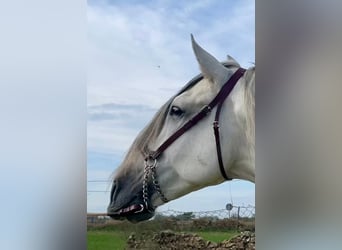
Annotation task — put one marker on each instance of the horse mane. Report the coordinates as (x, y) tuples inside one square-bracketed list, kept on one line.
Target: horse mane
[(139, 147), (249, 97)]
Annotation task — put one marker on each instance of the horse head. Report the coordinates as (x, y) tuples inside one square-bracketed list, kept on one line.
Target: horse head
[(146, 180)]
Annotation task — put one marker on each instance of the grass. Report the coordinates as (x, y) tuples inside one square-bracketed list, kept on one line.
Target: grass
[(116, 240), (106, 240)]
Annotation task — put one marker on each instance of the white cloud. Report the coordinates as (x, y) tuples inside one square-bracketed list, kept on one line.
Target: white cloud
[(136, 51), (113, 127)]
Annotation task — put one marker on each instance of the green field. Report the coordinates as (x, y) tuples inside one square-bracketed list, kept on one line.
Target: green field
[(105, 240), (116, 240)]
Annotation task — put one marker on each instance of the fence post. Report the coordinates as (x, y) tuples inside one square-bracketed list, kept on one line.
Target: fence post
[(238, 218)]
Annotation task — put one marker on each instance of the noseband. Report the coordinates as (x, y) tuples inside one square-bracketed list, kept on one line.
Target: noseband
[(151, 160)]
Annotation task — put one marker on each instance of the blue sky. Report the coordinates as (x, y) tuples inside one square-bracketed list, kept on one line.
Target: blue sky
[(139, 55)]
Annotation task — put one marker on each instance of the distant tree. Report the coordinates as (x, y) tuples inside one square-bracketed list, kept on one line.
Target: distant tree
[(210, 218), (161, 217), (185, 216)]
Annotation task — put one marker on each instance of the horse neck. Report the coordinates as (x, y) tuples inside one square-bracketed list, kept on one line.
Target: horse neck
[(250, 109)]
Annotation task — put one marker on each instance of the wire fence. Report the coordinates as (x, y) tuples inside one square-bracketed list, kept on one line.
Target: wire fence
[(234, 214)]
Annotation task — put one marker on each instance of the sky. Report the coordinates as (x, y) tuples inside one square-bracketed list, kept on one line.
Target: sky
[(139, 55)]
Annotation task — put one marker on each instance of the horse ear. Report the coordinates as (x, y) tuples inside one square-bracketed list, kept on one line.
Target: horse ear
[(232, 61), (210, 67)]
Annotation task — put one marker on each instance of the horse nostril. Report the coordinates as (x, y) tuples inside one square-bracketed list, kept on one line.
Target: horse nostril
[(112, 193)]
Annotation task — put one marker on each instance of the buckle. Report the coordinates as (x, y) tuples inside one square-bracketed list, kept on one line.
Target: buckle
[(206, 109)]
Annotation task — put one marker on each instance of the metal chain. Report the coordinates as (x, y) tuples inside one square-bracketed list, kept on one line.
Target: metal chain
[(151, 167), (145, 184), (156, 184)]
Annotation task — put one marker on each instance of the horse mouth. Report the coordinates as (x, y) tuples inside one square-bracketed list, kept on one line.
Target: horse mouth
[(133, 213), (132, 209)]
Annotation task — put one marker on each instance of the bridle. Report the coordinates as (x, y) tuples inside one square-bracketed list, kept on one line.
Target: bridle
[(151, 159)]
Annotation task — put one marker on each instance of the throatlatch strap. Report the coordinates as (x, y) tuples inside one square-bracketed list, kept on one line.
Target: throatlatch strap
[(216, 126)]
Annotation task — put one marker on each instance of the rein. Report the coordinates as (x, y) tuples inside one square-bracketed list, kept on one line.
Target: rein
[(151, 159)]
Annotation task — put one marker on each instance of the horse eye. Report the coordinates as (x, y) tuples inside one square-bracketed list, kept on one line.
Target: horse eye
[(176, 111)]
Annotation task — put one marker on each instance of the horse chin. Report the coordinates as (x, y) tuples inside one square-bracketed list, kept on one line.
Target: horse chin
[(133, 213), (140, 217)]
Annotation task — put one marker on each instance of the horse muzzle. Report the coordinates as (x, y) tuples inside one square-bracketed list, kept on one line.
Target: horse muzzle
[(126, 204), (133, 213)]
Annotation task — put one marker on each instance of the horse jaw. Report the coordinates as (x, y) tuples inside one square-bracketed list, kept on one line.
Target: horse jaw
[(243, 170), (211, 68)]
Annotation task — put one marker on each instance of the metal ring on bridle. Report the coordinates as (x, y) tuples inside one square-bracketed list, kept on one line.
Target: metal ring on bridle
[(150, 162)]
